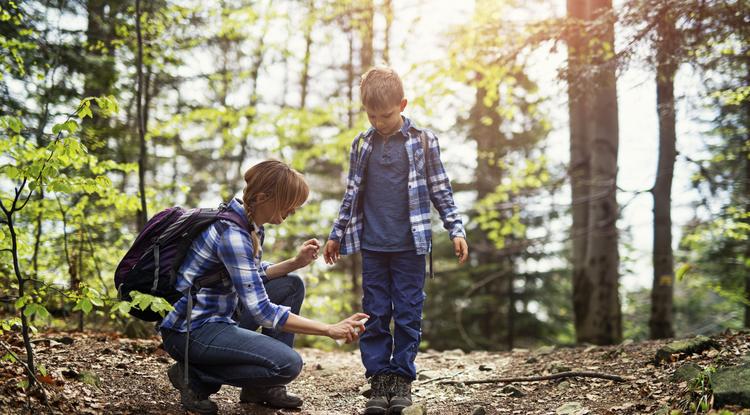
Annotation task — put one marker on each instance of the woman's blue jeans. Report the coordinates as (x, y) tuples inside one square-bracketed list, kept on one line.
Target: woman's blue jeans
[(226, 354)]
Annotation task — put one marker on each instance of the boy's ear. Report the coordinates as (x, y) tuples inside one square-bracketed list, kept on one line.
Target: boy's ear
[(403, 104)]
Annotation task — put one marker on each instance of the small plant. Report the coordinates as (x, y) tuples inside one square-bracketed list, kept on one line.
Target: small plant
[(699, 397)]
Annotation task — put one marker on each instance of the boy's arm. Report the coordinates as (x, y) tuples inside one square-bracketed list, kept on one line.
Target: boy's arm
[(439, 188), (345, 211)]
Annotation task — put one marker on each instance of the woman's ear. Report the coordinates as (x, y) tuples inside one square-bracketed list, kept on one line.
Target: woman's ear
[(261, 198)]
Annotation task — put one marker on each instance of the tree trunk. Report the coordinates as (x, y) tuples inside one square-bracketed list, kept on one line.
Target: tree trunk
[(305, 77), (660, 324), (579, 170), (366, 35), (746, 158), (593, 170), (388, 12), (142, 214), (604, 323)]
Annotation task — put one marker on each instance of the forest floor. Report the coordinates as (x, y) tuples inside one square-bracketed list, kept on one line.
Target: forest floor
[(104, 373)]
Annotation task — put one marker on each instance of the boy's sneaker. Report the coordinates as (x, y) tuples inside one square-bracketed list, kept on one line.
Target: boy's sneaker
[(400, 393), (191, 400), (276, 396), (378, 403)]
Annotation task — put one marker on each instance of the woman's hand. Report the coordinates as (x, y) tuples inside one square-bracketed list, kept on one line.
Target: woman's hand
[(331, 252), (348, 329), (308, 253)]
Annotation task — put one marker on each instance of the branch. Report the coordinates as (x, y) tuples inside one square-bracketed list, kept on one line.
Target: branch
[(560, 375)]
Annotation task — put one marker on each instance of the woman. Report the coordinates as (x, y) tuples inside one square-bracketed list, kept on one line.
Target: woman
[(220, 351)]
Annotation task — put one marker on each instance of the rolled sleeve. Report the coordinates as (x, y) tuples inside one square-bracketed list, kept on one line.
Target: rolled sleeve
[(441, 193), (235, 250)]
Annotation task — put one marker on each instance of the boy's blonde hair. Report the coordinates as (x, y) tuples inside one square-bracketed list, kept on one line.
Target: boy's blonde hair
[(285, 186), (381, 88)]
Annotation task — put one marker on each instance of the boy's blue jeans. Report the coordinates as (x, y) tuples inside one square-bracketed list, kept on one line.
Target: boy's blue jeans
[(226, 354), (392, 286)]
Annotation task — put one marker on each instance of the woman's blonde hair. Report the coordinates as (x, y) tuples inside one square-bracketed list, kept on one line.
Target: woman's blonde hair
[(285, 187)]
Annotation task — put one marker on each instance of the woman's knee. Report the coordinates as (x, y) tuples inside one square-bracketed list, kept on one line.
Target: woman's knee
[(297, 284), (290, 365)]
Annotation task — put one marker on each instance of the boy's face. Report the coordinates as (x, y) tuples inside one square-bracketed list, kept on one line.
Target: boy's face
[(386, 121)]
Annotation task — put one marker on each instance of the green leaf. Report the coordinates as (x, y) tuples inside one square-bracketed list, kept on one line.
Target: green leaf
[(682, 271), (22, 301), (42, 370), (84, 304), (15, 124)]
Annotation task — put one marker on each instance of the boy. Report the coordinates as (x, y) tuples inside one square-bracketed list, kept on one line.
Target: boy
[(385, 213)]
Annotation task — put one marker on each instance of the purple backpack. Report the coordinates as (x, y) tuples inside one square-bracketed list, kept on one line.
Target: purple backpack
[(150, 266)]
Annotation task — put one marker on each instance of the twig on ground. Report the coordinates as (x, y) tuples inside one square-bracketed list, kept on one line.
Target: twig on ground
[(424, 382), (560, 375)]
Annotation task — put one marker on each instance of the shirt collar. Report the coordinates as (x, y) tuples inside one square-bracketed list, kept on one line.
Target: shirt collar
[(405, 126)]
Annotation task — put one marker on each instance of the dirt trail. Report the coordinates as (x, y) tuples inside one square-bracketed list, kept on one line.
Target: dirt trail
[(100, 373)]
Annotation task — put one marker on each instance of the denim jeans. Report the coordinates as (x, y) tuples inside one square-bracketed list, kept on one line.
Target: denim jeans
[(392, 286), (227, 354), (288, 290)]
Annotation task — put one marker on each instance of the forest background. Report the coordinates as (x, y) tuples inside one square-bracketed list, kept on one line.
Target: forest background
[(598, 153)]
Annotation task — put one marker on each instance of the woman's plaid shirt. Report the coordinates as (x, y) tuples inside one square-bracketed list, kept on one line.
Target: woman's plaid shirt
[(425, 186), (225, 244)]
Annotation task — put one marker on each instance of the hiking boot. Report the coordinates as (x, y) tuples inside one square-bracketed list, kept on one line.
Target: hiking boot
[(400, 393), (192, 401), (378, 403), (275, 396)]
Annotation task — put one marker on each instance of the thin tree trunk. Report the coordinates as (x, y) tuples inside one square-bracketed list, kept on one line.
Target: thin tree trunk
[(388, 11), (142, 214), (304, 79), (747, 206), (366, 35), (350, 82), (660, 324), (603, 324), (579, 169), (21, 289)]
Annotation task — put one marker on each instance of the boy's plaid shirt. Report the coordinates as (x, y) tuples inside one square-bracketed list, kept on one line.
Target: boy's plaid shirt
[(425, 185), (225, 244)]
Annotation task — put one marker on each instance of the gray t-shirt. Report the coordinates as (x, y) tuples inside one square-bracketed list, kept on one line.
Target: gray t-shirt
[(386, 199)]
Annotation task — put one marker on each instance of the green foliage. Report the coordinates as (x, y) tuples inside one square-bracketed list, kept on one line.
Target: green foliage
[(144, 302)]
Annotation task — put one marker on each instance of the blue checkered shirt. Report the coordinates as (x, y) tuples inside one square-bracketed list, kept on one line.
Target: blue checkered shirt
[(225, 243), (425, 185)]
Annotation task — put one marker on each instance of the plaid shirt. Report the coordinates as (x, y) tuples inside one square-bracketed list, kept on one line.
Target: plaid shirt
[(425, 185), (225, 244)]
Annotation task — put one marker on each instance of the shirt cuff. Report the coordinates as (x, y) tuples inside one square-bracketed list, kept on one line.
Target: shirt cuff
[(281, 317)]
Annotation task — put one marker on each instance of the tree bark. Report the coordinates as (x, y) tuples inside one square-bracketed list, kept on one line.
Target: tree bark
[(579, 169), (660, 324), (388, 12), (305, 77), (604, 324), (594, 145), (367, 14), (142, 214)]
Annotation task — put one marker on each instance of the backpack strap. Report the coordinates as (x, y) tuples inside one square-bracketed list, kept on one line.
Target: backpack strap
[(206, 281)]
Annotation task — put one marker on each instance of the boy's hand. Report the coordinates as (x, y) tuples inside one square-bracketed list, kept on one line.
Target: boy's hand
[(308, 252), (331, 252), (461, 249)]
